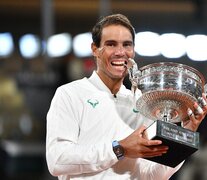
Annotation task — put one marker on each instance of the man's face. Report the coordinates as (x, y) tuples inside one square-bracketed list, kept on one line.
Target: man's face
[(116, 48)]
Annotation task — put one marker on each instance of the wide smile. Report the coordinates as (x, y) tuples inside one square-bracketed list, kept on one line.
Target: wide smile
[(119, 63)]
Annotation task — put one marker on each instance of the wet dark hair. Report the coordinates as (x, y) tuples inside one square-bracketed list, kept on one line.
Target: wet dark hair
[(115, 19)]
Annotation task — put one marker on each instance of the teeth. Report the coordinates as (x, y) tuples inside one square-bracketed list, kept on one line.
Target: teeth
[(118, 63)]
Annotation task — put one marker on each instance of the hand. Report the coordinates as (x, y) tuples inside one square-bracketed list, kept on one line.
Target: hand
[(196, 117), (137, 145)]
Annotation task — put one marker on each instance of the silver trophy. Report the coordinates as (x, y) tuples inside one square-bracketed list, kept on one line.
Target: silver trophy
[(168, 90)]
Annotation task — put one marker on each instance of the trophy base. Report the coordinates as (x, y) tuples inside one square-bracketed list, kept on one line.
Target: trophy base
[(181, 142)]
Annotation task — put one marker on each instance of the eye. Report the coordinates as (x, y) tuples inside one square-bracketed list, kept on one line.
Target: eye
[(110, 44), (128, 45)]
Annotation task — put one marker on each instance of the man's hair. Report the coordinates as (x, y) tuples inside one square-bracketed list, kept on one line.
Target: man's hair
[(115, 19)]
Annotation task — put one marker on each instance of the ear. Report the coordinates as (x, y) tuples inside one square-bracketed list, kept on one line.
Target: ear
[(94, 49)]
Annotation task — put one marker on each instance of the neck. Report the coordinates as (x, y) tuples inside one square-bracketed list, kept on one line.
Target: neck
[(113, 84)]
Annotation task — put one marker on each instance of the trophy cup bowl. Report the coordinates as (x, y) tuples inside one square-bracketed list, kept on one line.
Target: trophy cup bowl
[(168, 90)]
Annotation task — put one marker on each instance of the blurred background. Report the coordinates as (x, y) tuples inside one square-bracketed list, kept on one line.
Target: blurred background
[(46, 43)]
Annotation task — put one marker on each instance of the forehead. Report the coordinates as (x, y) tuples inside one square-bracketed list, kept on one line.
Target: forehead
[(116, 33)]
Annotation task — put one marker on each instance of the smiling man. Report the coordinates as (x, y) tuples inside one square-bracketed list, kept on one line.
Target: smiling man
[(116, 47), (93, 131)]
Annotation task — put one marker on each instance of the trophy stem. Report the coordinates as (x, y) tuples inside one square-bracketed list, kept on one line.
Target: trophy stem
[(165, 118), (166, 115)]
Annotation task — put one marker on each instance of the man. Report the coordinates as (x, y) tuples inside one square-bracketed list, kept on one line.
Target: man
[(93, 130)]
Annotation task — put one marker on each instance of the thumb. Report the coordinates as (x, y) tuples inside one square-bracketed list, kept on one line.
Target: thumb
[(141, 130)]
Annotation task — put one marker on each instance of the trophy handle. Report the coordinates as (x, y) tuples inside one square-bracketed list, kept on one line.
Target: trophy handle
[(134, 74)]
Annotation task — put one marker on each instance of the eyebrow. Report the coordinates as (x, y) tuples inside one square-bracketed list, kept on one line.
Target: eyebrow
[(114, 41)]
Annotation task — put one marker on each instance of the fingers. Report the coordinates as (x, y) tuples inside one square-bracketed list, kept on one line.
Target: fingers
[(196, 116), (201, 109), (149, 148), (147, 142), (142, 133), (190, 112), (141, 130), (137, 145), (204, 102), (144, 138), (198, 109), (156, 151)]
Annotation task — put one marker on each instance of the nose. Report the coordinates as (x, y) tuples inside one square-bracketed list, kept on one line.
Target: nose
[(120, 50)]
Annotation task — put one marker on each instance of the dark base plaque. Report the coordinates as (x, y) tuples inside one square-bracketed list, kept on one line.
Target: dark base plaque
[(181, 142)]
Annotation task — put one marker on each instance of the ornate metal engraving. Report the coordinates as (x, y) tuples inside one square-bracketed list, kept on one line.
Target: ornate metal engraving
[(168, 89)]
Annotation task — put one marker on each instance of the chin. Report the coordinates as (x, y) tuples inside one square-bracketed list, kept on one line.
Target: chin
[(120, 76)]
